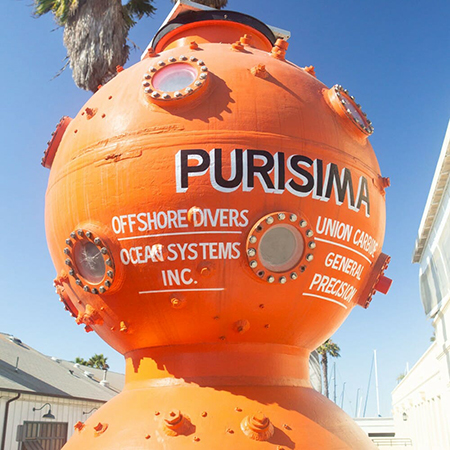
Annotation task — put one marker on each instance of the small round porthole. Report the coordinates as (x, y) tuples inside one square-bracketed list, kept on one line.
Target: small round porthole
[(174, 79), (279, 247), (345, 105), (90, 262)]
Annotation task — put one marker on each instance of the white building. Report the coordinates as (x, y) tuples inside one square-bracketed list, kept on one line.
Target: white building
[(29, 380), (421, 401)]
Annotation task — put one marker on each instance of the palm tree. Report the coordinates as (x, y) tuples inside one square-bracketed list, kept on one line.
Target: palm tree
[(80, 361), (98, 362), (95, 34), (331, 349), (218, 4)]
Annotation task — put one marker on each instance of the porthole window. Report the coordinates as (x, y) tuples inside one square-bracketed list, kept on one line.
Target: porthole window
[(175, 79), (89, 261), (345, 106), (280, 247)]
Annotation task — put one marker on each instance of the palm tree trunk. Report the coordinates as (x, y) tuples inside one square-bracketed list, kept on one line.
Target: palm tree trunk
[(325, 375), (95, 38)]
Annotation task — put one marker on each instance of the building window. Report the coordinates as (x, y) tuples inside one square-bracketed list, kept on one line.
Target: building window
[(42, 435)]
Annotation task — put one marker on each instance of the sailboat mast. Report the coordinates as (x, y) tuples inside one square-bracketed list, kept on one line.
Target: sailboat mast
[(376, 383)]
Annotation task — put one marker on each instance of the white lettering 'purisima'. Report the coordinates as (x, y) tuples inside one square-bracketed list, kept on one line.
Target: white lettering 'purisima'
[(298, 174)]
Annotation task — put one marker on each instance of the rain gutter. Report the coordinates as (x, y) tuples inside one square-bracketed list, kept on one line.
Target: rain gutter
[(5, 420)]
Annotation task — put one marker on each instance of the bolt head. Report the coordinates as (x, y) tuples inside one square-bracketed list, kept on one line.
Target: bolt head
[(200, 62), (80, 232), (161, 63), (282, 280), (88, 234), (97, 241), (73, 235), (86, 288), (309, 257), (294, 276), (269, 220), (107, 283), (312, 244), (183, 58), (104, 250), (68, 242), (173, 417), (102, 289), (172, 59), (66, 251), (108, 262), (252, 239), (253, 264), (203, 76), (303, 223), (94, 291), (178, 94), (251, 252), (310, 233), (204, 69), (67, 262), (198, 83), (189, 90), (78, 282), (166, 96), (193, 58), (155, 94), (110, 273), (270, 279)]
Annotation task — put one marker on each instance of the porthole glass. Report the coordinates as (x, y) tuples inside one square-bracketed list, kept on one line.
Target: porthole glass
[(281, 248), (89, 261), (174, 77)]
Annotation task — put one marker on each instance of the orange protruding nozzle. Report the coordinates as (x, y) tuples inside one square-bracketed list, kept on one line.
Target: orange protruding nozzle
[(279, 49), (246, 39), (383, 285), (237, 46)]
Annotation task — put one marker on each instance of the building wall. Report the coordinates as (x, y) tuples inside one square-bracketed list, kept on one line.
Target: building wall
[(64, 410), (421, 402)]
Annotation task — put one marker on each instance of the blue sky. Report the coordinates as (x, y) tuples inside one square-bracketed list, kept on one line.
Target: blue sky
[(393, 56)]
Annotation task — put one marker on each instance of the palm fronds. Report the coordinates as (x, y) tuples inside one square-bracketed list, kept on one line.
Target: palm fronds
[(61, 9), (135, 10), (218, 4)]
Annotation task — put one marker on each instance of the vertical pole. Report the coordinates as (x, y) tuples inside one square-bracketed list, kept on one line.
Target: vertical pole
[(357, 402), (343, 394), (334, 382), (368, 388), (360, 405), (376, 383)]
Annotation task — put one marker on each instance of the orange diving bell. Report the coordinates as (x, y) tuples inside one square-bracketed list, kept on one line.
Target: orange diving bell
[(214, 213)]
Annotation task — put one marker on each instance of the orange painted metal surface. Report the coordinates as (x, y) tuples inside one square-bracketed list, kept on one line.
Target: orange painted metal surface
[(215, 231)]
